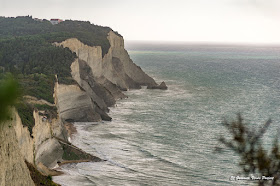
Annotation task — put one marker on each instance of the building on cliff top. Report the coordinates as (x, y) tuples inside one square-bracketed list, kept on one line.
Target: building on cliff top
[(37, 19), (56, 21)]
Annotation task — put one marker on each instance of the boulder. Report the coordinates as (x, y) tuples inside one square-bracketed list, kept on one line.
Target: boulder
[(162, 86)]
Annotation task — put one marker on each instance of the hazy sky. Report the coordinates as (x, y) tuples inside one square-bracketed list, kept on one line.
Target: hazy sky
[(253, 21)]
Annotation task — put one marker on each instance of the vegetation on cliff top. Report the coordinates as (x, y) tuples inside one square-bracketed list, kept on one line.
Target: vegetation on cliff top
[(86, 32), (27, 51), (25, 112)]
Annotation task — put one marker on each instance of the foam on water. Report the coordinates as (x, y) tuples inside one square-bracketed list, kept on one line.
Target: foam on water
[(168, 137)]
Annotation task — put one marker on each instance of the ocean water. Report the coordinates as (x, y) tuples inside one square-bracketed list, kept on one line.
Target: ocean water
[(168, 137)]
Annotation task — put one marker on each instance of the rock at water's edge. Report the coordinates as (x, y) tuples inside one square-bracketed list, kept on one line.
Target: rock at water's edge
[(162, 86)]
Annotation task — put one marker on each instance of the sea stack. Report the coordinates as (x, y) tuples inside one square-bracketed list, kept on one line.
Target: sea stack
[(162, 86)]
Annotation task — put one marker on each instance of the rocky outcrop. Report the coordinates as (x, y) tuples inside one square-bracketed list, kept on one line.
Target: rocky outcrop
[(43, 146), (40, 147), (134, 72), (111, 87), (49, 153), (74, 104), (162, 86), (13, 169), (100, 82), (116, 66)]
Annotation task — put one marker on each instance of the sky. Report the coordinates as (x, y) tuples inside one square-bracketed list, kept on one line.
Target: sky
[(219, 21)]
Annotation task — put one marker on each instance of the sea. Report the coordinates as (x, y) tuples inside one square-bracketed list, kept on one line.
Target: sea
[(169, 137)]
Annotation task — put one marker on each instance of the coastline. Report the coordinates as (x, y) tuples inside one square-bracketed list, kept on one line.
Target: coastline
[(90, 81)]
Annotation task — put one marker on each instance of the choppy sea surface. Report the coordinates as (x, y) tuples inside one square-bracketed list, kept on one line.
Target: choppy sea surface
[(168, 137)]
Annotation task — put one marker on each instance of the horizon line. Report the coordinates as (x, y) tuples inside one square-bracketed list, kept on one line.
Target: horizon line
[(206, 42)]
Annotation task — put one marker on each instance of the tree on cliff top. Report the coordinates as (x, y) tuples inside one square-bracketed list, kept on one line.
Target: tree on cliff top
[(254, 158), (90, 34)]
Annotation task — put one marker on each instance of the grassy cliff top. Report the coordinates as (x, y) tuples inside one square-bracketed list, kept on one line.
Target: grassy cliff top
[(26, 51), (90, 34)]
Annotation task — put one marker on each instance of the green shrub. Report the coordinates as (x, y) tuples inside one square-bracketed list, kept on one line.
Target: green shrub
[(25, 112)]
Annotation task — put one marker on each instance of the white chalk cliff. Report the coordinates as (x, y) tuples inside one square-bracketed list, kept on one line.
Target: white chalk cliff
[(13, 170), (100, 81), (116, 65)]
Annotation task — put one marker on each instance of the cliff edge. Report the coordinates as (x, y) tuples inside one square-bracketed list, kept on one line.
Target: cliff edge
[(100, 80), (89, 80)]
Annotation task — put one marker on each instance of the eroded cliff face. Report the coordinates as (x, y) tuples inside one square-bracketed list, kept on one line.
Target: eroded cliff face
[(100, 80), (74, 104), (25, 142), (118, 53), (13, 169), (40, 146), (116, 66)]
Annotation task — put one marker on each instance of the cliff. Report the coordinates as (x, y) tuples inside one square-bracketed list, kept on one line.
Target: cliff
[(99, 79), (16, 149), (13, 169), (116, 66)]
